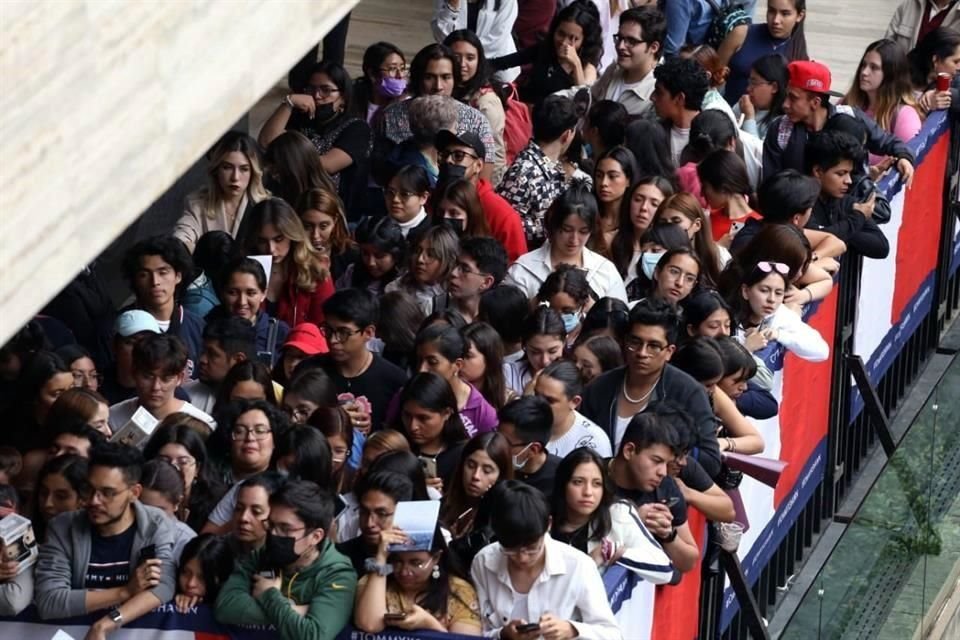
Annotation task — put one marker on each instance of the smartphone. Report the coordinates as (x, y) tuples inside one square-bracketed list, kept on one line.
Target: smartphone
[(670, 502), (149, 552), (528, 628), (429, 466), (394, 617), (267, 573)]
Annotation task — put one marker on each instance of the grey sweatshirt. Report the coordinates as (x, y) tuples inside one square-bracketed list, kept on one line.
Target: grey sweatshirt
[(63, 559)]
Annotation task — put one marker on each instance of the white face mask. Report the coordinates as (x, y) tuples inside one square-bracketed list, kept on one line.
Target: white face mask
[(516, 463)]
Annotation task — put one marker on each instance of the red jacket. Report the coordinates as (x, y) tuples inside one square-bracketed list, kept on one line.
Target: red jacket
[(299, 305), (503, 220)]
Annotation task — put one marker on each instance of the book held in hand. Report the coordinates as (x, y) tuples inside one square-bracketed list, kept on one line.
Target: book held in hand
[(137, 430)]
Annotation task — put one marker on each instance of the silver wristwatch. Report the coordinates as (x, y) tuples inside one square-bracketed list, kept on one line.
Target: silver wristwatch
[(116, 616)]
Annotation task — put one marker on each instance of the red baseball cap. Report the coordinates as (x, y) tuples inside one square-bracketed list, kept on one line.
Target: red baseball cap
[(810, 76), (306, 337)]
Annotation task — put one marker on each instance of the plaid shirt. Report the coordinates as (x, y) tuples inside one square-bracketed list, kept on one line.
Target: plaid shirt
[(530, 185)]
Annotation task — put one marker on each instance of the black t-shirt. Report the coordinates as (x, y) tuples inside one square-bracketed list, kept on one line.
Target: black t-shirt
[(667, 490), (109, 564), (378, 383), (542, 478), (694, 476), (578, 538), (356, 550), (352, 136)]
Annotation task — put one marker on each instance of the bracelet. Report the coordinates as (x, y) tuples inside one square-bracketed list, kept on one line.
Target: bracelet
[(731, 445), (287, 101), (811, 295)]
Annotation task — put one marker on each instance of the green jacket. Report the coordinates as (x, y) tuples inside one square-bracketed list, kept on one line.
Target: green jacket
[(328, 586)]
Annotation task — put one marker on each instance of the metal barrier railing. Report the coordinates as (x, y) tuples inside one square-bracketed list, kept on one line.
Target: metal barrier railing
[(850, 442)]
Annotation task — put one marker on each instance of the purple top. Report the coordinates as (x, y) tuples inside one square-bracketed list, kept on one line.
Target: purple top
[(478, 415)]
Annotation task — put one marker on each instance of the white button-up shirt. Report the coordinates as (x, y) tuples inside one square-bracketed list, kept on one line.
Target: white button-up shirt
[(531, 269), (569, 587)]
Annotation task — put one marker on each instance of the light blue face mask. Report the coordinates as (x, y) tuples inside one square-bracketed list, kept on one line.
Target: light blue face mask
[(570, 321), (649, 261)]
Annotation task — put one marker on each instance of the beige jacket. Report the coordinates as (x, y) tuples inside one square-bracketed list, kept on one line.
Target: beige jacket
[(489, 105), (194, 222), (906, 20)]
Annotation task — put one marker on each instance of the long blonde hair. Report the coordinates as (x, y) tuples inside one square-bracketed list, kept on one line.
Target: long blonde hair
[(307, 261), (212, 195), (895, 90)]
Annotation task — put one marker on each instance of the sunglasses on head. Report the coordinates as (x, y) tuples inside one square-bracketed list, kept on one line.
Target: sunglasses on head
[(769, 267)]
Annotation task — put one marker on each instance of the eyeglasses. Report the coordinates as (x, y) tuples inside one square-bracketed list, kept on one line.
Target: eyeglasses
[(340, 334), (754, 82), (281, 529), (769, 267), (259, 432), (391, 194), (465, 269), (395, 71), (106, 494), (457, 156), (428, 252), (531, 550), (79, 377), (380, 515), (676, 272), (634, 345), (627, 40), (323, 90), (179, 463)]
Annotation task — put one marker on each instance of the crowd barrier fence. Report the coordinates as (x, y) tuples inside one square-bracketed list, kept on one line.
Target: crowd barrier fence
[(889, 312)]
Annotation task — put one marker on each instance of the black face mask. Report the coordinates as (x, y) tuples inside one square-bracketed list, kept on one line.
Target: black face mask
[(278, 552), (450, 172), (457, 224), (324, 112)]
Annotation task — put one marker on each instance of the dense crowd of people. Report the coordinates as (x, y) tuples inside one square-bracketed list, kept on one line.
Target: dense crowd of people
[(536, 276)]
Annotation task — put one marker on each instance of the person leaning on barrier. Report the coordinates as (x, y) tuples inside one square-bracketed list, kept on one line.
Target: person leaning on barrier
[(298, 581), (117, 555), (641, 475), (561, 593)]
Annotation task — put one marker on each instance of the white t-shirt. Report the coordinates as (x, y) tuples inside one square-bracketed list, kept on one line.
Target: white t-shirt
[(583, 433), (621, 429), (678, 141), (201, 395), (121, 413), (164, 325)]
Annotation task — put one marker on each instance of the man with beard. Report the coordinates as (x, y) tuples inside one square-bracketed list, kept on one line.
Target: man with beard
[(298, 581), (116, 556), (226, 341)]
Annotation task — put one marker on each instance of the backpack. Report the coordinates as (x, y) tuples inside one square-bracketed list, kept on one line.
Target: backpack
[(518, 121), (728, 17)]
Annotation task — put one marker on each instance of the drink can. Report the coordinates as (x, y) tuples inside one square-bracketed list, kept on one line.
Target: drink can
[(943, 81)]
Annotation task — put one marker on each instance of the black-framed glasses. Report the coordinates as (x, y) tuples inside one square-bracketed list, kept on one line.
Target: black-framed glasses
[(634, 345), (341, 334), (627, 40), (259, 432), (457, 155)]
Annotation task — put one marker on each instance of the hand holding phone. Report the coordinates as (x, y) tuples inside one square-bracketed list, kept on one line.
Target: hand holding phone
[(394, 617), (148, 552), (530, 627)]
